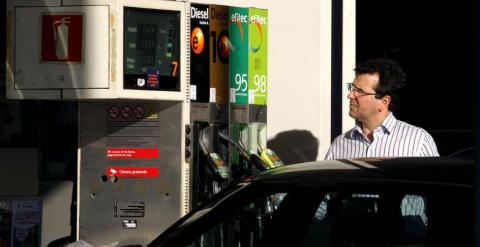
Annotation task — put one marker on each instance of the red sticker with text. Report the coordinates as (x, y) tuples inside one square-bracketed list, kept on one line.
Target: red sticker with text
[(133, 153), (133, 171)]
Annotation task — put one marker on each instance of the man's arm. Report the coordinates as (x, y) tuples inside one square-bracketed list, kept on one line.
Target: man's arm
[(333, 150), (427, 146), (329, 155)]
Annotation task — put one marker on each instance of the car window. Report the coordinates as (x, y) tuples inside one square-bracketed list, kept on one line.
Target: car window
[(244, 226), (356, 219), (390, 215), (207, 207), (415, 219), (386, 219)]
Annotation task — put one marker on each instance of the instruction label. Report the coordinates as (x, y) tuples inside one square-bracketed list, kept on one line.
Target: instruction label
[(129, 209), (133, 128), (133, 153)]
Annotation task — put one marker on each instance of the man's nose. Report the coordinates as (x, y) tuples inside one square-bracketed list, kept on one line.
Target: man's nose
[(350, 95)]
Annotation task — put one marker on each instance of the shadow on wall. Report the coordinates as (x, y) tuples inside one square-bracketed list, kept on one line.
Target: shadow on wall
[(294, 146)]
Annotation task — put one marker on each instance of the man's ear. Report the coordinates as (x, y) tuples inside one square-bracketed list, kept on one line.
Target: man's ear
[(386, 100)]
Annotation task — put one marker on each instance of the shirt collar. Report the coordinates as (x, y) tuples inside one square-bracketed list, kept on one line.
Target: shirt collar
[(387, 125)]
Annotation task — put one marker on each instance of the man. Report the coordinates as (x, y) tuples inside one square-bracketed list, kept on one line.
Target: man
[(377, 133)]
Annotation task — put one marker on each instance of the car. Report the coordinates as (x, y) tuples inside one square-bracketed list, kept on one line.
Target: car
[(360, 202)]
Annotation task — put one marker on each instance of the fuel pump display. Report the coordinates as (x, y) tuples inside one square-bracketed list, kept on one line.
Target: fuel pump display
[(151, 50)]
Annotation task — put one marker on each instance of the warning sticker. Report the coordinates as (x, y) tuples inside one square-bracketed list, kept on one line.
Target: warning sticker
[(138, 112), (133, 171), (126, 112), (133, 153), (152, 114), (114, 111)]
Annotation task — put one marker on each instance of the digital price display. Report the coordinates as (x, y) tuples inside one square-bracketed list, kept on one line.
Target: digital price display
[(151, 49)]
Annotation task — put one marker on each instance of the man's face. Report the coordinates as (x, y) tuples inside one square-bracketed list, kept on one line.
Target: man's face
[(363, 104)]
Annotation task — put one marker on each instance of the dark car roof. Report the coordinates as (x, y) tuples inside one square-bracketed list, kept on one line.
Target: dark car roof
[(426, 169)]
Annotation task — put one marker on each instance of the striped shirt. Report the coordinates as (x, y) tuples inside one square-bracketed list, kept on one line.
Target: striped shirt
[(393, 138)]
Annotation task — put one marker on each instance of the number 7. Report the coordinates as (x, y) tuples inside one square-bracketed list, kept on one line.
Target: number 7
[(175, 65)]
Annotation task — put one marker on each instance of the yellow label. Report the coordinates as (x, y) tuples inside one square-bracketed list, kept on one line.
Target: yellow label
[(152, 114)]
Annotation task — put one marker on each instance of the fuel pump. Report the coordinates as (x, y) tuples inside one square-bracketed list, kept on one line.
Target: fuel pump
[(124, 66), (248, 129), (209, 95), (248, 84), (210, 172)]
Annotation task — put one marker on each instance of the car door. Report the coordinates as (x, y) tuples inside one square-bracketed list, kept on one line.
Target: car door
[(246, 217)]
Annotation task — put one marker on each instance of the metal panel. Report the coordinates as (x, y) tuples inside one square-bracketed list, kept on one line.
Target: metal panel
[(19, 167), (97, 74), (248, 113), (131, 210), (56, 204), (90, 71), (209, 112)]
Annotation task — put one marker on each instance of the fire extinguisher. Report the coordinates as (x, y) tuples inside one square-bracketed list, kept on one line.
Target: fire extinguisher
[(60, 34)]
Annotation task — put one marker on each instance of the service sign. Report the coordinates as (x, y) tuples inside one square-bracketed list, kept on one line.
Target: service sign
[(257, 56), (199, 53), (219, 54), (239, 55), (133, 171)]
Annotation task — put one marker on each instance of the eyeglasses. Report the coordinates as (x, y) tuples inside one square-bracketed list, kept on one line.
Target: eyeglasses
[(356, 90)]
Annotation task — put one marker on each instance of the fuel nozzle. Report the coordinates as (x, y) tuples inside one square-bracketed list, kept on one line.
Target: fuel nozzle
[(269, 157), (215, 164), (251, 158)]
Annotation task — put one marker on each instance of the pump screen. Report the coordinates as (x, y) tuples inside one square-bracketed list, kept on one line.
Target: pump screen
[(151, 49)]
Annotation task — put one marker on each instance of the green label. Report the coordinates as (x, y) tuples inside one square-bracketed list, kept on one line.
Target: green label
[(257, 56), (239, 36)]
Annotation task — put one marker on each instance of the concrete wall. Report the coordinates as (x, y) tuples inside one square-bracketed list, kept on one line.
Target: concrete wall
[(298, 76)]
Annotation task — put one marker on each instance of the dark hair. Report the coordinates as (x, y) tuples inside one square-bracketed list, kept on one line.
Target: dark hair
[(391, 78)]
